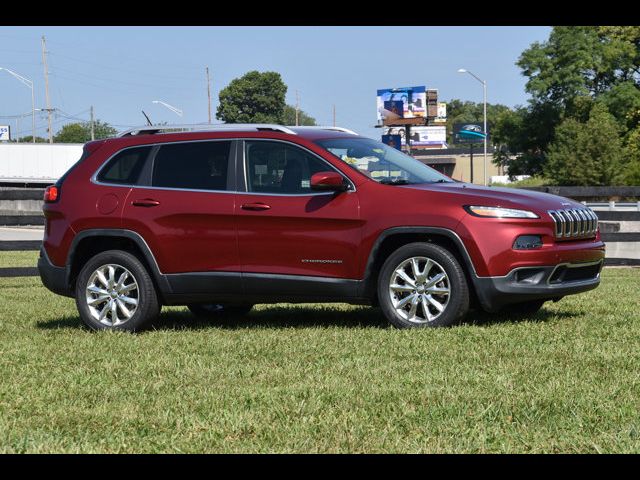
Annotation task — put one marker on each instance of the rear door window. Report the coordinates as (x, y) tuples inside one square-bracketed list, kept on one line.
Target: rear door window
[(192, 165)]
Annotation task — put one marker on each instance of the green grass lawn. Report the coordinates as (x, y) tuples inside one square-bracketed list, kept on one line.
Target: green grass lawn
[(18, 259), (327, 378)]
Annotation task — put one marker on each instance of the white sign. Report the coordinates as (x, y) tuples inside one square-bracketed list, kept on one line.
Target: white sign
[(5, 133), (442, 112), (421, 136)]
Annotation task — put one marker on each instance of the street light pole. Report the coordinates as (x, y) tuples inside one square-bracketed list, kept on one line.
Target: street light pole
[(28, 83), (484, 92), (175, 110)]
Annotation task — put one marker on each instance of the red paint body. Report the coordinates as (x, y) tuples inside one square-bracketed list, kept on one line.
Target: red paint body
[(198, 231)]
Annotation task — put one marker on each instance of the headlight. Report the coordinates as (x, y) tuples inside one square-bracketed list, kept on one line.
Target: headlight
[(498, 212)]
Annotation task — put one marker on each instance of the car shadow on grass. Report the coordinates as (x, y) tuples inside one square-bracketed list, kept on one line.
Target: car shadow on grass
[(485, 319), (275, 317), (267, 318), (291, 316)]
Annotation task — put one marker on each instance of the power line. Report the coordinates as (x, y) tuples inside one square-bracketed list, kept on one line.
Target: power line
[(126, 70), (112, 80)]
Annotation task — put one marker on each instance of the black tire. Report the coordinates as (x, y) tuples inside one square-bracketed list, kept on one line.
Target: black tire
[(455, 308), (147, 307), (216, 310), (524, 308)]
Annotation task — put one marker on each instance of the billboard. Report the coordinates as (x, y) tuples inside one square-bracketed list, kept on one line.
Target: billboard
[(421, 136), (441, 116), (5, 133), (393, 109), (468, 133), (414, 102), (394, 141)]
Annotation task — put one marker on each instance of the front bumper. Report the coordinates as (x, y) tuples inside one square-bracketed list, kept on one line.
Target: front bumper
[(537, 283), (54, 278)]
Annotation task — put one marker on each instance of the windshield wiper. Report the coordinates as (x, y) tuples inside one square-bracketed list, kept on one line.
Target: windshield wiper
[(397, 181)]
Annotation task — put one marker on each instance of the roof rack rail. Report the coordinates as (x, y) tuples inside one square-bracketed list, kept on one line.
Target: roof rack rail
[(151, 129), (338, 129)]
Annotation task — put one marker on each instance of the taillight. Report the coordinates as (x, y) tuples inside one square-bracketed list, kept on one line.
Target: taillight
[(51, 194)]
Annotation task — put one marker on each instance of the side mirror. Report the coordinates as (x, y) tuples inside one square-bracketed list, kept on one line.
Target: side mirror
[(328, 181)]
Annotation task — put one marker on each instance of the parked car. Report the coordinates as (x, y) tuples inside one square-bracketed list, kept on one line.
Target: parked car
[(220, 218)]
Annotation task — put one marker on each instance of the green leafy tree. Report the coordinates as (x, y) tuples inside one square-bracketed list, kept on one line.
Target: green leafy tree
[(518, 135), (632, 173), (256, 97), (587, 153), (575, 68), (81, 132), (632, 150), (28, 139), (459, 111), (289, 117), (579, 61)]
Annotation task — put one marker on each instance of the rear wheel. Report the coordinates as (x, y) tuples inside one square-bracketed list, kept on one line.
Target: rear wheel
[(213, 310), (423, 285), (114, 291)]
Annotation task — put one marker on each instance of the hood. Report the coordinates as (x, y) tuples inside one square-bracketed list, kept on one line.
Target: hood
[(471, 194)]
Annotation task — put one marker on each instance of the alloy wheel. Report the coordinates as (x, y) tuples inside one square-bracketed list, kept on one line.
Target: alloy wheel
[(419, 289), (112, 295)]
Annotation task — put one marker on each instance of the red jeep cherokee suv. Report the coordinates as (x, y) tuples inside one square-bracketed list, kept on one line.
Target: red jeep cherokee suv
[(220, 218)]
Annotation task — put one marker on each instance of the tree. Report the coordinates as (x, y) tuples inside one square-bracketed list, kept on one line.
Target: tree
[(588, 153), (459, 111), (81, 132), (253, 98), (579, 61), (29, 138), (568, 74), (632, 173), (303, 118), (632, 150), (519, 135)]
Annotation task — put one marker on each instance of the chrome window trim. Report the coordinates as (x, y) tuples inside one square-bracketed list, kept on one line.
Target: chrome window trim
[(94, 177), (350, 189)]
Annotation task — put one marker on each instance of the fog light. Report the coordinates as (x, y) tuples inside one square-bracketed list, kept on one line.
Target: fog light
[(527, 242)]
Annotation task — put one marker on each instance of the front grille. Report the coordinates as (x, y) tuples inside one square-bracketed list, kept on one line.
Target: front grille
[(574, 223)]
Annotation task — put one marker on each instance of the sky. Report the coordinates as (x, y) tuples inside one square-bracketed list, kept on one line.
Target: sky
[(122, 70)]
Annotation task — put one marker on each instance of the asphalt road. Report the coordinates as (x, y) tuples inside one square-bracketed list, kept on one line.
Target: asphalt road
[(21, 233)]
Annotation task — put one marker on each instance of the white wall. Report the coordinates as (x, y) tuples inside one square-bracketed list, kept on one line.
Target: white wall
[(40, 161)]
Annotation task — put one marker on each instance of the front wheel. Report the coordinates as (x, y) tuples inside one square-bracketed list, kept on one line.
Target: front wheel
[(423, 285)]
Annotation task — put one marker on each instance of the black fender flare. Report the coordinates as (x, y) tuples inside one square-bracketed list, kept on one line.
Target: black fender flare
[(369, 288), (140, 242)]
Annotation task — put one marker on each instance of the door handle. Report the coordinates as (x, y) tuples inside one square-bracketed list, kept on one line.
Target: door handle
[(145, 202), (255, 206)]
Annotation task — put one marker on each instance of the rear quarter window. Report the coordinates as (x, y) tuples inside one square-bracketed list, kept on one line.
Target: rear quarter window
[(125, 167)]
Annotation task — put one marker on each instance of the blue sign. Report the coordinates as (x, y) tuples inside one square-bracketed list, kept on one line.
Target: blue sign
[(468, 133), (394, 141)]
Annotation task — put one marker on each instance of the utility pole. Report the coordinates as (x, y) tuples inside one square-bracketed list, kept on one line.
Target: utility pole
[(297, 107), (93, 133), (334, 114), (46, 86), (209, 94)]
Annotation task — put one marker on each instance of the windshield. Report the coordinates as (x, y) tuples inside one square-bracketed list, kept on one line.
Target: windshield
[(380, 162)]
